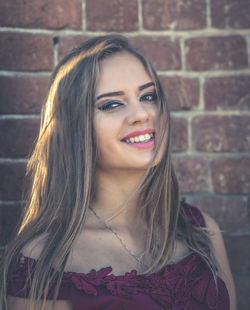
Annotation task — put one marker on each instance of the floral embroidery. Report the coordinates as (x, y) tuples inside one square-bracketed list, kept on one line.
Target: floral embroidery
[(188, 284)]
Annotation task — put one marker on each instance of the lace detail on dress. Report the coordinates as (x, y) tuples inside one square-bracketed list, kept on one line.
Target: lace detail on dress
[(187, 285)]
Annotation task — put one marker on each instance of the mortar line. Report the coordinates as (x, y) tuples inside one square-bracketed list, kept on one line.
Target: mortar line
[(55, 51), (210, 176), (171, 33), (19, 116), (13, 160), (248, 48), (190, 135), (212, 155), (10, 202), (182, 73), (201, 105), (140, 17), (208, 13), (84, 16), (183, 54), (24, 74), (206, 74), (193, 113)]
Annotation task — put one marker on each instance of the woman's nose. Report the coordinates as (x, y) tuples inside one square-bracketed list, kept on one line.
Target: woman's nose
[(138, 113)]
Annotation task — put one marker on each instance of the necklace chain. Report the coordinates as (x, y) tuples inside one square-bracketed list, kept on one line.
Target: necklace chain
[(138, 258)]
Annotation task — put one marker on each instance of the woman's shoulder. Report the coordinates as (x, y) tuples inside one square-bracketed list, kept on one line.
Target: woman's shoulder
[(193, 214), (200, 218), (34, 248)]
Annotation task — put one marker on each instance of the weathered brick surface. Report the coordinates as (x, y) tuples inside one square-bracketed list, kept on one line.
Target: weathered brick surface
[(11, 181), (182, 93), (238, 253), (231, 176), (22, 95), (242, 284), (231, 213), (230, 13), (214, 53), (163, 52), (54, 14), (192, 174), (179, 135), (9, 217), (68, 43), (28, 52), (174, 14), (17, 137), (221, 133), (112, 15), (227, 92)]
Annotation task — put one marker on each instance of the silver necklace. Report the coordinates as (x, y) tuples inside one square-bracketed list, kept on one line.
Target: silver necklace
[(137, 257)]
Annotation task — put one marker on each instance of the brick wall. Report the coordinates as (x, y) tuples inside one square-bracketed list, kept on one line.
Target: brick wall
[(201, 49)]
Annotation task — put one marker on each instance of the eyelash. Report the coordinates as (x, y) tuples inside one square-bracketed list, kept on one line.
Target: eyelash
[(110, 105)]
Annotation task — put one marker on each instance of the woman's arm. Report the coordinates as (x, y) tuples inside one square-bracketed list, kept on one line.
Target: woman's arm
[(16, 303), (221, 255)]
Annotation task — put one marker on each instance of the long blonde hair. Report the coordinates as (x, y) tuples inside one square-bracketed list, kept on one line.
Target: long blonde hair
[(61, 172)]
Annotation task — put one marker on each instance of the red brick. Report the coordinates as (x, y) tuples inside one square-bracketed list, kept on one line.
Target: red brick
[(179, 134), (174, 14), (192, 174), (231, 175), (163, 52), (22, 95), (66, 44), (218, 13), (231, 92), (11, 181), (231, 213), (166, 55), (242, 284), (238, 15), (215, 53), (29, 52), (9, 218), (230, 13), (17, 136), (55, 14), (112, 15), (182, 93), (221, 133), (238, 251)]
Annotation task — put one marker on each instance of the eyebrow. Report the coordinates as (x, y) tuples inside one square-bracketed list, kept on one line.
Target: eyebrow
[(119, 93)]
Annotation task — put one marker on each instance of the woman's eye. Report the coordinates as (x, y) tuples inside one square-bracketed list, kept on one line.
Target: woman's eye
[(149, 97), (109, 106)]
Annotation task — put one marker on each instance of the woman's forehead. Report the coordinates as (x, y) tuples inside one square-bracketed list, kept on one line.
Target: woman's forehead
[(121, 71)]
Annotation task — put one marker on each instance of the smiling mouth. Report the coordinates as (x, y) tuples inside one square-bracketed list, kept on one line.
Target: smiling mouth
[(140, 138)]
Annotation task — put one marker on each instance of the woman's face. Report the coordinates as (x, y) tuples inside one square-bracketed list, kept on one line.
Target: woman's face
[(125, 114)]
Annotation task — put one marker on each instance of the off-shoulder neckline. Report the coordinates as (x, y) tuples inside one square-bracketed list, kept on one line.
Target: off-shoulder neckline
[(108, 269)]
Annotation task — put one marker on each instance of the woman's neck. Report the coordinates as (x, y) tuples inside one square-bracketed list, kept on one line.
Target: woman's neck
[(116, 197)]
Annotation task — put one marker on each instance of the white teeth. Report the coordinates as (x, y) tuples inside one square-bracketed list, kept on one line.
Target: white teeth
[(141, 138)]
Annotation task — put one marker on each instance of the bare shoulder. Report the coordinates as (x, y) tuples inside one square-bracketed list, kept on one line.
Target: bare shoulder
[(224, 269), (16, 303), (216, 238), (210, 222), (35, 247)]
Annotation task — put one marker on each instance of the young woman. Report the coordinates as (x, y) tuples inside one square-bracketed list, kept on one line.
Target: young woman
[(103, 227)]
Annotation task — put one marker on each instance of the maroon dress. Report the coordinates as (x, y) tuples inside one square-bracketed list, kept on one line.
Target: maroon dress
[(186, 285)]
